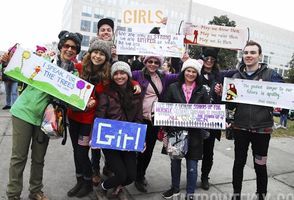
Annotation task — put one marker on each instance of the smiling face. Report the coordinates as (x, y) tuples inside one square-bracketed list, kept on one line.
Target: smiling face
[(120, 77), (251, 56), (98, 57), (105, 32), (68, 50), (190, 75), (152, 65)]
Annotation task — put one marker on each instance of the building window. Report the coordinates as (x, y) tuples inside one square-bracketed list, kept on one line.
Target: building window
[(86, 11), (85, 41), (265, 59), (95, 30), (85, 25)]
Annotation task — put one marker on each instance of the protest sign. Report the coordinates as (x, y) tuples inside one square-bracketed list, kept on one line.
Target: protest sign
[(143, 17), (129, 43), (215, 36), (119, 135), (208, 116), (262, 93), (33, 70)]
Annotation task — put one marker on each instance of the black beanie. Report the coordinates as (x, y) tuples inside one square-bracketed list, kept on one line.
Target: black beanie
[(65, 35), (209, 51), (105, 21)]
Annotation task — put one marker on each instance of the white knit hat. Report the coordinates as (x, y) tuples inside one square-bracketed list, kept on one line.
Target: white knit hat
[(121, 66), (196, 64)]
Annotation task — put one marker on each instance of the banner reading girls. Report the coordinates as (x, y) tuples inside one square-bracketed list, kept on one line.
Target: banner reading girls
[(208, 116), (33, 70)]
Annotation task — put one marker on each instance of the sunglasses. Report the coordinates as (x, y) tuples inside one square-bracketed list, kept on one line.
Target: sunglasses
[(209, 58), (67, 46), (153, 62)]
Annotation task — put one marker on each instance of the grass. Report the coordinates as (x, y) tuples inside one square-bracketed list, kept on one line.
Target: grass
[(283, 132)]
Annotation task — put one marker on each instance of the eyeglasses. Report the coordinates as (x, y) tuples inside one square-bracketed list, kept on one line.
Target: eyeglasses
[(67, 46), (209, 58), (153, 62)]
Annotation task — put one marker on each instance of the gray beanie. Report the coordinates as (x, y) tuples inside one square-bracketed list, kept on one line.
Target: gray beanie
[(101, 45), (121, 66), (65, 35)]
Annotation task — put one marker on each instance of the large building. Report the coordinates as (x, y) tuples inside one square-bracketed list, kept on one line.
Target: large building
[(82, 16)]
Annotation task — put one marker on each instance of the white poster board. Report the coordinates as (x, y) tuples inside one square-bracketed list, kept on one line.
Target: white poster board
[(129, 43), (215, 36), (262, 93), (33, 70), (207, 116)]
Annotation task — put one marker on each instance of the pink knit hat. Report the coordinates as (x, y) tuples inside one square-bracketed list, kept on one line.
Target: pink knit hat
[(40, 48), (13, 48), (159, 58)]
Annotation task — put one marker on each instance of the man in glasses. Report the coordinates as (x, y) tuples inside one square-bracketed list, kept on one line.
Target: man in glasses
[(253, 123)]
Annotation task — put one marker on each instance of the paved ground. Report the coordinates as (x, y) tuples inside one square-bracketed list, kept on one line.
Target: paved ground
[(59, 170)]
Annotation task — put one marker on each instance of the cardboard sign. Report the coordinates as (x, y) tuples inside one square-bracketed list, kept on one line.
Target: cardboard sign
[(119, 135), (215, 36), (143, 17), (262, 93), (33, 70), (129, 43), (207, 116)]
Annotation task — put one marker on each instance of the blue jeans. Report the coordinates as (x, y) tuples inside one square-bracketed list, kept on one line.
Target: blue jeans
[(11, 92), (191, 174), (283, 119)]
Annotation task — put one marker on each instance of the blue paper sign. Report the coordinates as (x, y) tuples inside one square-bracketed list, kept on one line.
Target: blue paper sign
[(119, 135)]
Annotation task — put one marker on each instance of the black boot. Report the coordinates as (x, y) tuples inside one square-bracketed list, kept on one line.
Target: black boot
[(205, 183), (76, 188), (87, 187)]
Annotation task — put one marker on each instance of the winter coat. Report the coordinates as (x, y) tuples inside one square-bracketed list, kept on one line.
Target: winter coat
[(175, 94), (254, 116), (110, 107)]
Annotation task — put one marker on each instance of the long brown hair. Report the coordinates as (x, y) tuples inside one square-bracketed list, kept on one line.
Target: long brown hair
[(95, 74)]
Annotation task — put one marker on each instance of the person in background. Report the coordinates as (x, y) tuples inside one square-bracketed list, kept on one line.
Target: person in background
[(284, 117), (188, 89), (11, 85), (210, 76), (96, 70), (40, 50), (154, 84), (27, 113), (119, 103), (167, 68), (252, 123)]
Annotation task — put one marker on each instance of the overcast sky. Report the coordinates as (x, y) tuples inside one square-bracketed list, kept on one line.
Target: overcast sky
[(36, 22)]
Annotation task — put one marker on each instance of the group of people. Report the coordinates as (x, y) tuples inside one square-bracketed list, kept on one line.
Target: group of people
[(122, 94)]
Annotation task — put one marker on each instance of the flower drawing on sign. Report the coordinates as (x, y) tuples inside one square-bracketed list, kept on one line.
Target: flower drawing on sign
[(80, 85), (231, 92), (88, 87), (25, 55), (37, 70)]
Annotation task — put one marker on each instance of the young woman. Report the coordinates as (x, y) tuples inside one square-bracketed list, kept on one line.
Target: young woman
[(188, 89), (96, 70), (27, 113), (211, 76), (154, 84), (119, 103)]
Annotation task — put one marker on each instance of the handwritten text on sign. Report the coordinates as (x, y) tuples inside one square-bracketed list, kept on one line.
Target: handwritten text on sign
[(129, 43), (215, 36), (262, 93), (119, 135), (25, 66), (208, 116)]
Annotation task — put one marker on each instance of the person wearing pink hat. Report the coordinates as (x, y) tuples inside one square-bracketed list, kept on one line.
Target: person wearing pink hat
[(153, 83), (40, 50)]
